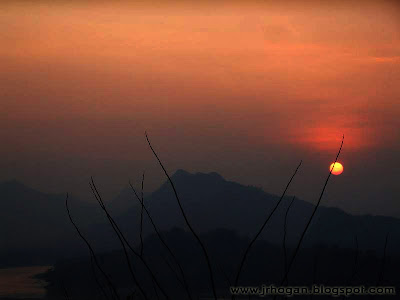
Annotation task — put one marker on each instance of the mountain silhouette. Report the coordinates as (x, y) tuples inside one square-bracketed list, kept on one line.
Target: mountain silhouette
[(34, 226), (212, 202)]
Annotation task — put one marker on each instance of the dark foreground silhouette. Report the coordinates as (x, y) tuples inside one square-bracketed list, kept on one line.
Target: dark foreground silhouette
[(331, 266)]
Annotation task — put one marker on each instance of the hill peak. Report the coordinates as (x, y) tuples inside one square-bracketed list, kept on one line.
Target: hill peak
[(181, 172)]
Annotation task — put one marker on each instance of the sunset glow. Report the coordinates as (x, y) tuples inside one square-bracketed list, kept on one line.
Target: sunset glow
[(245, 103), (337, 168), (252, 82)]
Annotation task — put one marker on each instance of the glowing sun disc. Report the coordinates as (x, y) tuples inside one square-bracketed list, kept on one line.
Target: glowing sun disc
[(337, 170)]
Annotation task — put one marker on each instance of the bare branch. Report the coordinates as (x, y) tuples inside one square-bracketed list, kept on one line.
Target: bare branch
[(172, 269), (354, 273), (312, 216), (164, 242), (101, 203), (381, 273), (96, 279), (141, 220), (284, 234), (187, 222), (110, 284), (122, 239), (262, 228)]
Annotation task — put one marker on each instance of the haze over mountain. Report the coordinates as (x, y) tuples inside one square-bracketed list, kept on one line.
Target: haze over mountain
[(239, 90), (245, 88), (34, 227), (212, 202)]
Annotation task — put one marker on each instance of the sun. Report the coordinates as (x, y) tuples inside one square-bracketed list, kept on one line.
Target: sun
[(338, 169)]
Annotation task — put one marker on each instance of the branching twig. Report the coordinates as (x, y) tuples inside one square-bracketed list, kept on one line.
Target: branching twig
[(312, 215), (119, 235), (110, 284), (262, 228), (122, 238), (163, 242), (187, 222)]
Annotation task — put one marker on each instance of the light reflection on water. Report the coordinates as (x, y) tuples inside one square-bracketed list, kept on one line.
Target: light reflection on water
[(19, 282)]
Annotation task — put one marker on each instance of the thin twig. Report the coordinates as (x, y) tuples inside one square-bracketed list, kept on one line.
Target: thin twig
[(141, 220), (187, 222), (96, 279), (284, 234), (65, 292), (381, 273), (312, 215), (121, 236), (164, 243), (314, 272), (172, 270), (262, 228), (110, 284), (355, 261), (155, 290), (225, 275), (380, 278), (353, 274), (130, 267), (132, 295)]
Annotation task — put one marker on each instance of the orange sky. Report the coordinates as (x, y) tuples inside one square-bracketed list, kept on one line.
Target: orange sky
[(243, 76)]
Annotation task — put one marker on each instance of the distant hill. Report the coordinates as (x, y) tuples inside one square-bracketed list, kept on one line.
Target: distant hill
[(212, 202), (34, 226)]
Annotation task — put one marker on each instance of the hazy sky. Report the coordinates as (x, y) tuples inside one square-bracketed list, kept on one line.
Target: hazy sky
[(246, 89)]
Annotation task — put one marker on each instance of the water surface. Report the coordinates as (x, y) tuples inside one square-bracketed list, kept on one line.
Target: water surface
[(20, 282)]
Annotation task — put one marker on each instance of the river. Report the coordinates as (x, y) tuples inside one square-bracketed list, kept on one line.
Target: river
[(19, 282)]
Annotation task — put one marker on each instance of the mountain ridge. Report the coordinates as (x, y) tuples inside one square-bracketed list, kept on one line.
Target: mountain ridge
[(36, 223), (212, 202)]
